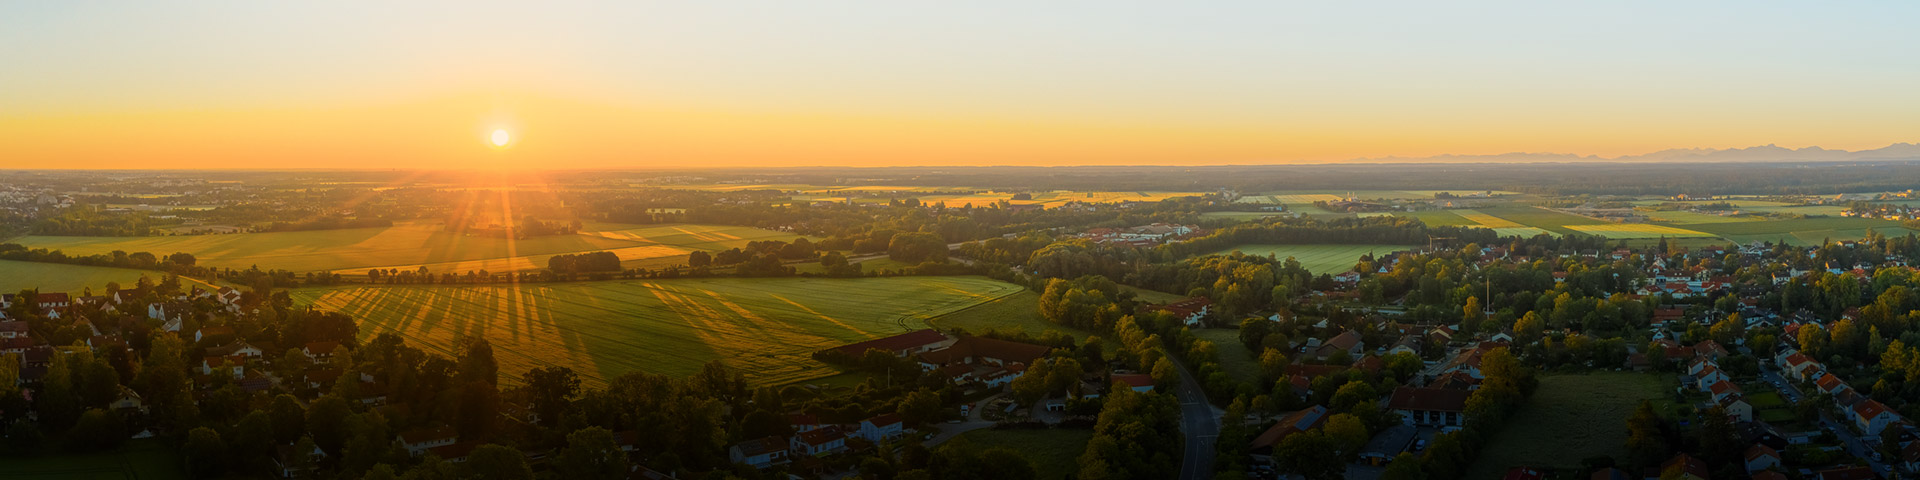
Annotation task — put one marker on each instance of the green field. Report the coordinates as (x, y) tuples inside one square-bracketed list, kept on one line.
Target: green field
[(1676, 217), (1019, 311), (410, 246), (767, 327), (57, 277), (1571, 417), (1541, 218), (147, 459), (1234, 357), (1802, 231), (1053, 452), (1328, 259), (1439, 218), (1381, 194)]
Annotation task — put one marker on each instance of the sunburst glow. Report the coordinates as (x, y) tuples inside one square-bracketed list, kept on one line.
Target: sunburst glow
[(500, 138)]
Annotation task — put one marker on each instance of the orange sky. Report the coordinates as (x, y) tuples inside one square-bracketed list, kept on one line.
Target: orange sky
[(718, 84)]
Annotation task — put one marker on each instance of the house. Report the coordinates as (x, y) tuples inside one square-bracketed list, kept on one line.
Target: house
[(1430, 407), (803, 422), (1139, 382), (1910, 456), (1694, 367), (1348, 341), (881, 428), (1871, 416), (988, 361), (320, 350), (1410, 344), (1799, 366), (213, 334), (819, 441), (1830, 384), (235, 365), (288, 464), (53, 300), (1296, 422), (127, 400), (417, 441), (1709, 376), (910, 343), (1189, 311), (759, 453), (14, 329), (1761, 457), (1736, 407), (237, 348), (1689, 468), (1722, 390), (456, 453), (1709, 349), (1389, 443)]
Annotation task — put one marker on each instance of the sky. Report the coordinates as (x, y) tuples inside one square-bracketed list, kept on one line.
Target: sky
[(719, 83)]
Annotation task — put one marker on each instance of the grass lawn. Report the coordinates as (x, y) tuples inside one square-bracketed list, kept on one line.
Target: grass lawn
[(412, 245), (56, 277), (766, 327), (1328, 259), (146, 459), (1766, 400), (1235, 359), (1571, 417), (1053, 452)]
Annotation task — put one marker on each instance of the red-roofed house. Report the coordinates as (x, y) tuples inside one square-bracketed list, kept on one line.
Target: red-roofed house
[(1190, 310), (1872, 416), (1723, 389), (1761, 457), (1830, 384), (820, 441), (881, 428), (1139, 382), (1709, 376), (1348, 341), (320, 350), (760, 452), (910, 343), (1430, 407), (1296, 422), (417, 441)]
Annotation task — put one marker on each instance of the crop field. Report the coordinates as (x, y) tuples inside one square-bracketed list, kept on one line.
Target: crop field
[(1439, 218), (56, 277), (1485, 220), (1684, 218), (1549, 220), (1385, 194), (1801, 231), (1329, 259), (1571, 417), (410, 246), (1635, 230), (767, 328)]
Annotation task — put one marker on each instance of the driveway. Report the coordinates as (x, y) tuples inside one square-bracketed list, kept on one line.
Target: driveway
[(973, 422)]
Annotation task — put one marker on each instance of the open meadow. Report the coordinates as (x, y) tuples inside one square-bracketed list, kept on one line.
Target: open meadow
[(412, 245), (1570, 418), (59, 277), (1319, 259), (767, 328)]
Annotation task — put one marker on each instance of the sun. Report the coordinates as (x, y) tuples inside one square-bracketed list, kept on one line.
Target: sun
[(500, 138)]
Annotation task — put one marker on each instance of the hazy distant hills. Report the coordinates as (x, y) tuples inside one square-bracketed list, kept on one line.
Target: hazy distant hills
[(1763, 153)]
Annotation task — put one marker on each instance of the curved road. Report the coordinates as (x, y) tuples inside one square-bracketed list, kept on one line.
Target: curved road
[(1199, 422)]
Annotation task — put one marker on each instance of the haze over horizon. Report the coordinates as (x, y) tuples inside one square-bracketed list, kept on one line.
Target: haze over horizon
[(743, 84)]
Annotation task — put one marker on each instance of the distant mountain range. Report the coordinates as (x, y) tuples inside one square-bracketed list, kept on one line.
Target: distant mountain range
[(1763, 153)]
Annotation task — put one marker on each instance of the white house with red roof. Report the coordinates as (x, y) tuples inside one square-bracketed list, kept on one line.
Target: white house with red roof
[(819, 441), (1871, 416), (882, 428)]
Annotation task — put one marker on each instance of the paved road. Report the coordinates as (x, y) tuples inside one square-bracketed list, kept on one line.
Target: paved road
[(973, 422), (1200, 422), (1853, 443)]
